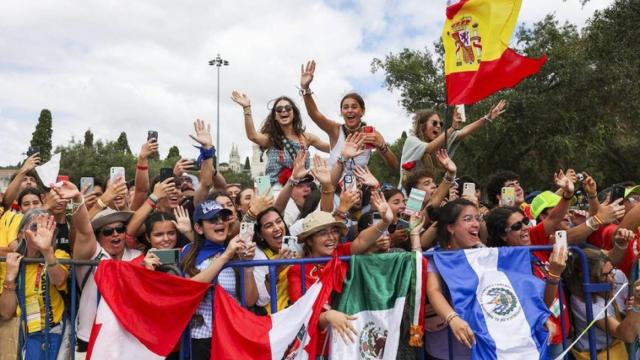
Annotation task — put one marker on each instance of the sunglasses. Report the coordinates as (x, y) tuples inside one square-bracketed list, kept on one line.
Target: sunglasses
[(108, 231), (286, 108), (436, 123), (217, 218), (517, 226)]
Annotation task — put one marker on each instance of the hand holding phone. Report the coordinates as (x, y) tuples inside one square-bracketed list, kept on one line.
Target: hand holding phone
[(415, 201), (508, 196), (115, 173), (291, 243), (152, 134), (263, 185), (561, 239), (469, 189), (246, 232), (166, 256), (88, 183), (368, 130)]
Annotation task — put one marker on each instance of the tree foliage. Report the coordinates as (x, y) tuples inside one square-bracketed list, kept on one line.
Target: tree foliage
[(88, 138), (581, 110), (41, 136)]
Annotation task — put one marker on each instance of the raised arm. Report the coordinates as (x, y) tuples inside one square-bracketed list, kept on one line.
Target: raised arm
[(298, 172), (387, 155), (42, 238), (316, 142), (243, 100), (207, 152), (368, 237), (447, 181), (353, 146), (552, 222), (470, 129), (327, 125), (322, 173), (13, 189), (160, 191), (142, 173), (85, 242)]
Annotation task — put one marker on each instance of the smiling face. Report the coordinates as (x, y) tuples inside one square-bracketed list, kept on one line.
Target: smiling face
[(30, 201), (283, 112), (324, 242), (352, 112), (517, 237), (432, 128), (245, 199), (163, 235), (519, 192), (465, 231), (397, 203), (214, 230), (272, 230), (227, 203), (111, 237)]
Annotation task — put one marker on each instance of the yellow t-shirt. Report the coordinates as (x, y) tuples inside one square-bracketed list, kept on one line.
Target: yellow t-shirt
[(9, 223), (35, 285), (282, 285)]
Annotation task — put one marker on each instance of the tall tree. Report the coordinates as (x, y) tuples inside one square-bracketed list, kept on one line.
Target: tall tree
[(41, 136), (122, 144), (174, 153), (88, 139)]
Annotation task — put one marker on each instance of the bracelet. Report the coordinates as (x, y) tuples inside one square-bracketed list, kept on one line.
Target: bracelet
[(450, 317), (592, 196), (305, 92), (327, 191), (293, 181), (553, 276), (142, 168), (590, 224), (9, 285), (383, 149), (341, 214), (566, 198), (488, 118), (342, 160), (449, 180), (247, 110), (380, 231), (53, 264), (597, 219), (153, 198), (150, 203), (101, 205), (551, 281)]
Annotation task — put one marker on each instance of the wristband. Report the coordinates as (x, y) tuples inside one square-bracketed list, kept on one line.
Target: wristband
[(101, 205), (635, 309), (53, 264), (450, 317), (205, 154), (305, 92), (591, 224), (142, 168), (565, 197), (341, 214), (553, 276), (592, 196), (150, 203), (9, 286), (330, 190), (552, 281), (153, 198), (597, 219), (383, 149)]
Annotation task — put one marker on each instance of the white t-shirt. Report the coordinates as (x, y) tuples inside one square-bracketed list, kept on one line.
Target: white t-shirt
[(89, 299)]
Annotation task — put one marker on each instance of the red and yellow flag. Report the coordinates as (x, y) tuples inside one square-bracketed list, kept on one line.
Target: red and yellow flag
[(478, 61)]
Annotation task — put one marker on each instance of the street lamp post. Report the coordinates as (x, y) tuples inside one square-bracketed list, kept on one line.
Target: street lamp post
[(218, 62)]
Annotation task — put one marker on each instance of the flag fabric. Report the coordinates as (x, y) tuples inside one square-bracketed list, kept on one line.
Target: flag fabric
[(378, 291), (478, 60), (495, 292), (141, 314), (288, 334)]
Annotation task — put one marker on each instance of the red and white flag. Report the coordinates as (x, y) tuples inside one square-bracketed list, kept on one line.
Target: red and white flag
[(288, 334), (142, 313)]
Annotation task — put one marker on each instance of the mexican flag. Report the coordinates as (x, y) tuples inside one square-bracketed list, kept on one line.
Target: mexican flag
[(141, 314), (288, 334), (377, 292)]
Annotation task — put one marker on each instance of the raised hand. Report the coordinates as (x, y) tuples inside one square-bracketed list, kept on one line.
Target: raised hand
[(260, 203), (380, 204), (42, 236), (182, 166), (182, 222), (203, 133), (589, 185), (30, 163), (299, 170), (90, 197), (497, 110), (240, 98), (115, 189), (148, 148), (564, 183), (353, 145), (306, 74), (66, 190), (347, 200), (558, 260), (611, 212), (366, 177), (622, 237), (164, 188), (321, 170), (443, 158)]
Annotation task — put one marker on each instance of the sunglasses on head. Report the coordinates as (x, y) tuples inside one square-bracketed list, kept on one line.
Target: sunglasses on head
[(517, 226), (217, 218), (108, 231), (286, 108)]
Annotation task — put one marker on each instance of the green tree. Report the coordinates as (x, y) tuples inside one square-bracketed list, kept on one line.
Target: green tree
[(381, 170), (174, 153), (88, 139), (41, 136), (122, 144), (242, 178)]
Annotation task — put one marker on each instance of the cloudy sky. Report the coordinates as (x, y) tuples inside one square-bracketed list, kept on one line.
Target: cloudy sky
[(113, 66)]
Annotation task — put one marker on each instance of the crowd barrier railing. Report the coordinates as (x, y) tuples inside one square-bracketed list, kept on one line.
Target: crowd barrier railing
[(588, 287)]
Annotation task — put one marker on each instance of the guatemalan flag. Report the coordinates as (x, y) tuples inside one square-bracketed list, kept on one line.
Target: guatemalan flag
[(494, 291)]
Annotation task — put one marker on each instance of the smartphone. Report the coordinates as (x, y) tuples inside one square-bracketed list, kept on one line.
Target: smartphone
[(469, 189), (33, 150), (561, 239), (263, 185), (167, 256), (376, 218), (617, 192), (402, 224), (460, 110), (166, 173), (291, 243), (87, 181), (349, 183), (116, 172), (246, 232), (508, 196), (61, 178), (414, 203), (368, 130), (152, 134)]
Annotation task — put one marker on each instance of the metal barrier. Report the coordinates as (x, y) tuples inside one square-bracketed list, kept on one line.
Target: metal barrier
[(588, 287)]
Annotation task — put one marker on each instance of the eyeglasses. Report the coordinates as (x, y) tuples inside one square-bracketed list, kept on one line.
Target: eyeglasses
[(470, 218), (217, 218), (517, 226), (610, 272), (286, 108), (437, 123), (327, 232), (108, 231)]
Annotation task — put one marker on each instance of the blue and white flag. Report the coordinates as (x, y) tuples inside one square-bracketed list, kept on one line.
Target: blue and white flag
[(494, 291)]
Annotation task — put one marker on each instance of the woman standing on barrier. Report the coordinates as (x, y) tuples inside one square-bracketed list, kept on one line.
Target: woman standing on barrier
[(282, 135), (509, 226), (203, 260), (41, 281), (321, 237), (612, 332)]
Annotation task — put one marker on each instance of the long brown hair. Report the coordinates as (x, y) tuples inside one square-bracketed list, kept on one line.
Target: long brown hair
[(272, 128), (596, 260), (420, 122)]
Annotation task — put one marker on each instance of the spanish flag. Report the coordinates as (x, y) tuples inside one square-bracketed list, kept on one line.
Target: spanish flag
[(478, 61)]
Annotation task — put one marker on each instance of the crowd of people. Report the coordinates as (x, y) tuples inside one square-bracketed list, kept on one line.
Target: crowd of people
[(313, 207)]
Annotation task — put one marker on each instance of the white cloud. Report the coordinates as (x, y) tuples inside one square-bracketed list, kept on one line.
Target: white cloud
[(133, 66)]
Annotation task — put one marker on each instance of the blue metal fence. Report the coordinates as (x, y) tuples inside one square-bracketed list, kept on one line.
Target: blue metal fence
[(589, 289)]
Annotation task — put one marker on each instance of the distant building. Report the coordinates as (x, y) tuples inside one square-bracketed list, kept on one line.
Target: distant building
[(257, 166), (223, 167), (234, 160), (5, 178)]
